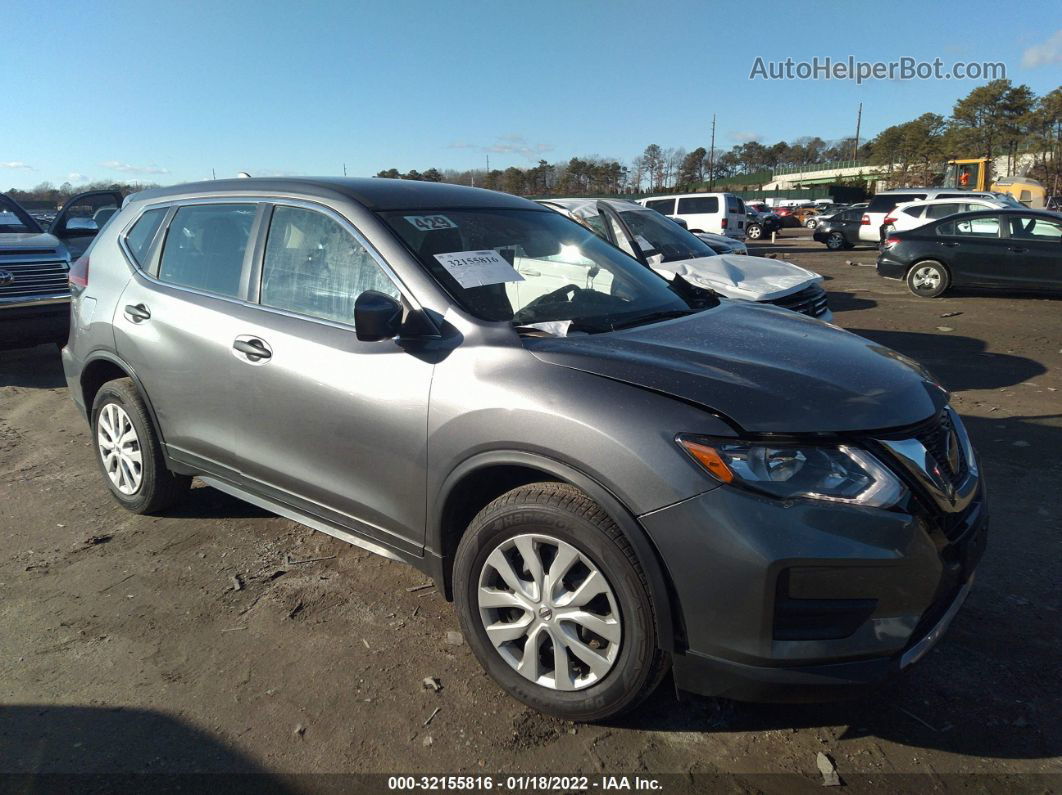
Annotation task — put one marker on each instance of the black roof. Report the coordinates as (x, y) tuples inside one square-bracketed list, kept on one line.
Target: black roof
[(375, 193)]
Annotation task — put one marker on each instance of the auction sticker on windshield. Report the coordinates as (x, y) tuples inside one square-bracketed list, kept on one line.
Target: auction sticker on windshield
[(478, 268), (429, 223)]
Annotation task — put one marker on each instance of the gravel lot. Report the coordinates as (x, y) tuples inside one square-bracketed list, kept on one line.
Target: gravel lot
[(125, 645)]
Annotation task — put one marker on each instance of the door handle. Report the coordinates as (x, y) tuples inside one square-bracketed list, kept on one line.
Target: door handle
[(949, 243), (1016, 249), (137, 312), (252, 347), (531, 273)]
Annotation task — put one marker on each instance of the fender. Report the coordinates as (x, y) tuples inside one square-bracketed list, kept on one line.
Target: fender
[(107, 356), (666, 625)]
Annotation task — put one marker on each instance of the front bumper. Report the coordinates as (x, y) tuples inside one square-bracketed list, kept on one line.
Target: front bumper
[(807, 601), (33, 324)]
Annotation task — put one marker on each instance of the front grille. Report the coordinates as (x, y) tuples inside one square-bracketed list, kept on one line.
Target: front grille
[(809, 301), (34, 276), (941, 441)]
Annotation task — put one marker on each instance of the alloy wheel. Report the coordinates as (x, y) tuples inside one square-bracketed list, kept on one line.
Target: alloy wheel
[(119, 448), (549, 612), (926, 279)]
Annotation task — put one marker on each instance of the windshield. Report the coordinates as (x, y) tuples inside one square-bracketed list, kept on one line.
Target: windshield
[(14, 219), (533, 266), (672, 241)]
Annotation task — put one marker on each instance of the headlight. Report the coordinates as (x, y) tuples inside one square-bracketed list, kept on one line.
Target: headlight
[(837, 473)]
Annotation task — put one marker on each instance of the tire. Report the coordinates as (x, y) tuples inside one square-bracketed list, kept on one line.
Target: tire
[(754, 231), (811, 223), (551, 522), (928, 279), (133, 469), (835, 241)]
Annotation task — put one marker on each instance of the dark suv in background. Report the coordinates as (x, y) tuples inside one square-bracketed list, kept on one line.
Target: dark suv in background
[(607, 472), (34, 295)]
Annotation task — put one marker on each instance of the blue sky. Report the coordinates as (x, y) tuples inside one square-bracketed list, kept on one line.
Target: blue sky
[(166, 92)]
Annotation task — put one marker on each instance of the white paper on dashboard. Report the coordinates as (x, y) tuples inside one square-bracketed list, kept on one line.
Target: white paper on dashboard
[(478, 268), (643, 244)]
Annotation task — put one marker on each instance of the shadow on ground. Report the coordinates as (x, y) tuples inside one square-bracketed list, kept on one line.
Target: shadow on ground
[(959, 362), (48, 741), (36, 368)]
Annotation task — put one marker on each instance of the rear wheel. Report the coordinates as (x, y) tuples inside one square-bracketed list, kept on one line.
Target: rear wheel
[(129, 452), (754, 231), (811, 223), (835, 241), (555, 604), (928, 279)]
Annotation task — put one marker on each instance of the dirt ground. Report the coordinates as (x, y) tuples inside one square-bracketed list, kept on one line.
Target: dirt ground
[(126, 646)]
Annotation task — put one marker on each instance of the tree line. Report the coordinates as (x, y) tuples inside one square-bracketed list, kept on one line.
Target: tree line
[(996, 119)]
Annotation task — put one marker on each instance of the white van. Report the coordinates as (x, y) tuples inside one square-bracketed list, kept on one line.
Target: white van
[(719, 213), (885, 202)]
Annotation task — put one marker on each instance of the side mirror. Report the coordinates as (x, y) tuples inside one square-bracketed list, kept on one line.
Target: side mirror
[(81, 226), (376, 316)]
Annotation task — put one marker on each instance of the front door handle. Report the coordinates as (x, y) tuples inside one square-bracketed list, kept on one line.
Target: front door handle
[(949, 243), (137, 312), (253, 348), (1016, 249)]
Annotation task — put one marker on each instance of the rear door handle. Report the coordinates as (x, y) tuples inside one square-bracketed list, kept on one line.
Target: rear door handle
[(1016, 249), (254, 350), (137, 312), (949, 243)]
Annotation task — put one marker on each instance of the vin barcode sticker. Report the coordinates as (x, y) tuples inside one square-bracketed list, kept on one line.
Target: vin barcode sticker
[(478, 268), (429, 223)]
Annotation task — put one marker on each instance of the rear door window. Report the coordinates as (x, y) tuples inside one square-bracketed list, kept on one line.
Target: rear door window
[(984, 227), (313, 266), (205, 247), (935, 211), (693, 205), (664, 206)]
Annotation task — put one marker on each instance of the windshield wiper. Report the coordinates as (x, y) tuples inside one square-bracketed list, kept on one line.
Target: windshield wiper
[(653, 317)]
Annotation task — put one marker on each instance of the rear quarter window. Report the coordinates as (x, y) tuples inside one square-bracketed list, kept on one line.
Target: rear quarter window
[(138, 240), (698, 204), (665, 206)]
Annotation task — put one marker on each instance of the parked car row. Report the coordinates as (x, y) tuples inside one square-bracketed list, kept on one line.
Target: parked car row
[(563, 423), (34, 294)]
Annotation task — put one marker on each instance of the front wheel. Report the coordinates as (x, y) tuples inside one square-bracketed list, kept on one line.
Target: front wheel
[(555, 604), (835, 241), (811, 223), (928, 279), (754, 231)]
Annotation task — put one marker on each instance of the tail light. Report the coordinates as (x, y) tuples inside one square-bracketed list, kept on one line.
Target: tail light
[(865, 220), (722, 224), (79, 273), (889, 220), (891, 241)]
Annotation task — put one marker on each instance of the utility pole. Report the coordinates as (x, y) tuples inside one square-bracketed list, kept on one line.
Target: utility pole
[(344, 169), (213, 175), (859, 121), (711, 159)]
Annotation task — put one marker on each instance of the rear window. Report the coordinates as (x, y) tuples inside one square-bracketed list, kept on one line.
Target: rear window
[(139, 238), (884, 202), (698, 204), (734, 205), (665, 206)]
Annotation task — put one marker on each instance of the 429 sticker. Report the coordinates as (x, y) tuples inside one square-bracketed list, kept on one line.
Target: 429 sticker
[(429, 223)]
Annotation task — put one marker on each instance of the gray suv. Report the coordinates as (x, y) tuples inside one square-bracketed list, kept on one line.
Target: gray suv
[(608, 473)]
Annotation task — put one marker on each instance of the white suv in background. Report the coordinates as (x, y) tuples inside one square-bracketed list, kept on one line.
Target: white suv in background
[(719, 213), (911, 214), (882, 204)]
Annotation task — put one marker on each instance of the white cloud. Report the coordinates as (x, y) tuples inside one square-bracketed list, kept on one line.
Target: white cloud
[(16, 164), (744, 136), (1043, 54), (76, 176), (126, 168), (509, 144)]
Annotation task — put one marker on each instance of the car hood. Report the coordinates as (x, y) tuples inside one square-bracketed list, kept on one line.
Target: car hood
[(766, 369), (740, 276), (15, 241)]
